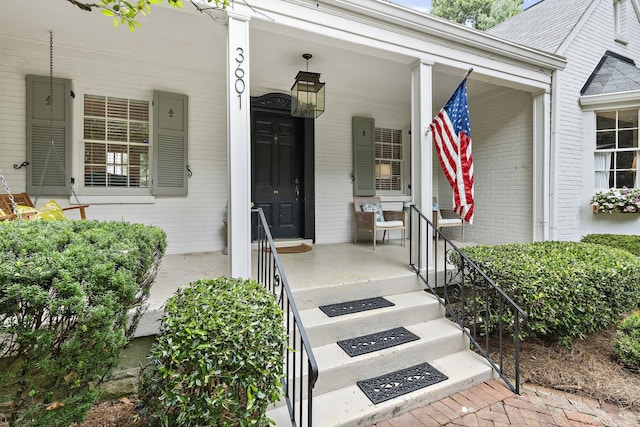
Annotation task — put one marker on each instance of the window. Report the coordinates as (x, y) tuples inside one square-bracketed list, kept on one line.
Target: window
[(616, 156), (116, 137), (388, 166), (619, 20)]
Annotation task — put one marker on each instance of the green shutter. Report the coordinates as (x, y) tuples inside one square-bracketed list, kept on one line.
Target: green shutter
[(364, 182), (48, 121), (170, 154)]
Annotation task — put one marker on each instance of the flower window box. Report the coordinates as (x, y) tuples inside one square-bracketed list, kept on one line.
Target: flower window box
[(622, 200)]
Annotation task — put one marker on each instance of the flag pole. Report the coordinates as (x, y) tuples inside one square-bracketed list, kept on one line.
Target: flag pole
[(466, 75)]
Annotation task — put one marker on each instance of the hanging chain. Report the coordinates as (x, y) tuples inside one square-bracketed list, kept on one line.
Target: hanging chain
[(14, 207), (50, 99), (52, 147)]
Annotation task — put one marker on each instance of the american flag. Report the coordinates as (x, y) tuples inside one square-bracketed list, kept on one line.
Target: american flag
[(451, 132)]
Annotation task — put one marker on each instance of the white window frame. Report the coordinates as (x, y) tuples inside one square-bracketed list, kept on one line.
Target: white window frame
[(620, 21), (605, 160), (117, 194), (383, 164)]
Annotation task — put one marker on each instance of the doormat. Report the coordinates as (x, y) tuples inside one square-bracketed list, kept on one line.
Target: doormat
[(357, 306), (291, 249), (378, 341), (394, 384)]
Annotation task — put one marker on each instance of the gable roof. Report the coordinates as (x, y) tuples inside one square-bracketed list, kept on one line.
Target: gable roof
[(614, 73), (545, 25)]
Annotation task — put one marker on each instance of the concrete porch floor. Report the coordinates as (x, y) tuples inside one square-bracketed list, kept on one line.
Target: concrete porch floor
[(324, 265)]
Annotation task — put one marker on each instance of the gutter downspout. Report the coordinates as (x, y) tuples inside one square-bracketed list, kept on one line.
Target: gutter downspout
[(554, 150)]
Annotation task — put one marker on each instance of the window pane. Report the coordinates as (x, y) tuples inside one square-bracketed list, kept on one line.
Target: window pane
[(627, 139), (117, 131), (95, 176), (95, 154), (606, 120), (139, 166), (117, 108), (139, 132), (625, 160), (605, 140), (139, 110), (94, 105), (625, 179), (95, 129), (627, 119), (396, 152)]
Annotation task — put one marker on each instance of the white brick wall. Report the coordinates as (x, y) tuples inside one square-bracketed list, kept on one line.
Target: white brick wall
[(334, 159), (193, 223), (501, 132), (575, 162)]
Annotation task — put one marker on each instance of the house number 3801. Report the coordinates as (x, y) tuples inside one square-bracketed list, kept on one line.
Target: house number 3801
[(239, 73)]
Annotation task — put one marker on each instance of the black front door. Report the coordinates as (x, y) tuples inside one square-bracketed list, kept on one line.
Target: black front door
[(277, 177)]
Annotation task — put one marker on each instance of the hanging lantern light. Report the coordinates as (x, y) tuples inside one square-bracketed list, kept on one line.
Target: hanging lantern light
[(307, 93)]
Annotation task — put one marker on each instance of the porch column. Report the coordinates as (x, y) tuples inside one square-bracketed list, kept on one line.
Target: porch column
[(239, 146), (541, 162), (421, 155)]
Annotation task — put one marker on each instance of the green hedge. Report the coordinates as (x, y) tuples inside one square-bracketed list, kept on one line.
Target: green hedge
[(65, 290), (569, 289), (627, 342), (622, 241), (218, 358)]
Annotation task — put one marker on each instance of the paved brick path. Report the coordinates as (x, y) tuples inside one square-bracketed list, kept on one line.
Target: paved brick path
[(493, 404)]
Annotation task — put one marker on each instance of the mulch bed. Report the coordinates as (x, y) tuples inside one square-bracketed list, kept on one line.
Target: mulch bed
[(588, 368)]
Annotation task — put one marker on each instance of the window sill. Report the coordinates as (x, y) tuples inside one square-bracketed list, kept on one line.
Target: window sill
[(113, 200)]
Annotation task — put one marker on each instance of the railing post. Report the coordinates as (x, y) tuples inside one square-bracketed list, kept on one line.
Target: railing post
[(271, 275), (467, 308)]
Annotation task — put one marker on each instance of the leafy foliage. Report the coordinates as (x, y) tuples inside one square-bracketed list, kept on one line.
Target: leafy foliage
[(627, 242), (480, 14), (66, 288), (568, 289), (627, 343), (126, 12), (217, 359)]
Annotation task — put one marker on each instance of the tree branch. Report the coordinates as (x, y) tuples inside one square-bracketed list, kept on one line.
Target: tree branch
[(84, 6)]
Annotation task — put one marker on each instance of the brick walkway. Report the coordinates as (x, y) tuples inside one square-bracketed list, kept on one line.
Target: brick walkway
[(493, 404)]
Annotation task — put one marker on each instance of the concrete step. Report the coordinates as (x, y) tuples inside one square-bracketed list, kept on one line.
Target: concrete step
[(349, 406), (357, 289), (410, 308), (438, 338)]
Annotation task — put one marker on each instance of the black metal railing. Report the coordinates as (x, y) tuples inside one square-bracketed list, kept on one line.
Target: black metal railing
[(301, 369), (472, 300)]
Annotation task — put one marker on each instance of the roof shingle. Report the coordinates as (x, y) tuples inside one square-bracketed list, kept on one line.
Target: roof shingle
[(544, 25)]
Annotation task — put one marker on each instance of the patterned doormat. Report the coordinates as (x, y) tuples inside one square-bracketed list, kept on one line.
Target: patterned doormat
[(298, 249), (394, 384), (357, 306), (378, 341)]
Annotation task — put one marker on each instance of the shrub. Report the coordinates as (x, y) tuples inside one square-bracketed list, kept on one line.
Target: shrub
[(622, 241), (627, 343), (569, 289), (217, 360), (65, 290)]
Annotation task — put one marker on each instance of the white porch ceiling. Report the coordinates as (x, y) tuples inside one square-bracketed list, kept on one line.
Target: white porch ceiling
[(198, 41)]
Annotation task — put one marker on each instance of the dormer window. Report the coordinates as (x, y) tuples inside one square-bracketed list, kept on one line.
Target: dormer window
[(619, 21)]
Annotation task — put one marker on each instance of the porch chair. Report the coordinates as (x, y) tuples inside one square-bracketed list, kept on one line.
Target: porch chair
[(446, 218), (23, 199), (371, 218)]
